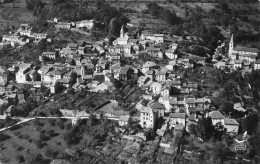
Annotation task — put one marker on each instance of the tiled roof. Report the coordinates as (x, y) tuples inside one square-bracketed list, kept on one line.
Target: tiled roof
[(161, 72), (177, 115), (157, 105), (149, 64), (147, 110), (216, 115), (230, 121), (246, 49), (124, 118)]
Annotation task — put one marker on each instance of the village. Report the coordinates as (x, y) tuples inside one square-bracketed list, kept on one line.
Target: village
[(166, 103)]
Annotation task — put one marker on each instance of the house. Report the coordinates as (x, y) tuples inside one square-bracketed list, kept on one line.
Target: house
[(241, 52), (155, 52), (124, 73), (165, 91), (63, 25), (48, 55), (257, 65), (4, 74), (238, 64), (158, 38), (88, 24), (156, 106), (9, 111), (170, 54), (156, 88), (110, 86), (190, 102), (216, 117), (32, 75), (148, 66), (124, 120), (21, 75), (100, 77), (113, 56), (231, 125), (160, 76), (220, 65), (148, 118), (3, 118), (177, 118), (150, 74)]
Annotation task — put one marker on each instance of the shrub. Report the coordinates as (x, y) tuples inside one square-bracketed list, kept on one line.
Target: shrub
[(34, 158), (4, 137), (38, 144), (20, 148), (60, 123), (43, 131), (38, 128), (17, 133), (43, 137), (37, 122), (19, 158), (26, 137), (68, 126), (51, 133), (52, 122), (51, 153)]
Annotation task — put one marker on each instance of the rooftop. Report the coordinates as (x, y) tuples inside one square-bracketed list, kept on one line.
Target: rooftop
[(230, 121), (177, 115), (216, 115), (246, 49)]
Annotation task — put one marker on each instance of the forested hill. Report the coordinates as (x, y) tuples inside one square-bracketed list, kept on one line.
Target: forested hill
[(164, 1)]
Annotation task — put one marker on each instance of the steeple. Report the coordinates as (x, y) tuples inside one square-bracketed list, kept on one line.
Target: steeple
[(122, 33), (231, 46), (231, 43)]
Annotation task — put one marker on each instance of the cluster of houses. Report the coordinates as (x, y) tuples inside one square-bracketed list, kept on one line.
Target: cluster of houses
[(160, 86), (239, 57), (21, 37), (87, 24)]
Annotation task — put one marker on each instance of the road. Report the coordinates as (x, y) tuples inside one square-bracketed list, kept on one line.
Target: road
[(23, 120)]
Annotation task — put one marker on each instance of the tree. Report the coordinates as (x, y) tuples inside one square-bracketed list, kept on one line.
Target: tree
[(34, 158), (192, 129), (114, 27), (227, 107), (218, 131), (204, 128), (177, 139), (19, 158), (51, 153), (218, 153), (73, 79), (250, 123), (38, 144)]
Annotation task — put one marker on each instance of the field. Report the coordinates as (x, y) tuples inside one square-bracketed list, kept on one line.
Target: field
[(23, 140)]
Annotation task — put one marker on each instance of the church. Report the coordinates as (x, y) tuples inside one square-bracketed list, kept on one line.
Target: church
[(123, 39), (241, 52)]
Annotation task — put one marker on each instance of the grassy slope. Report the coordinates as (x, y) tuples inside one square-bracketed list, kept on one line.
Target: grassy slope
[(9, 147)]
